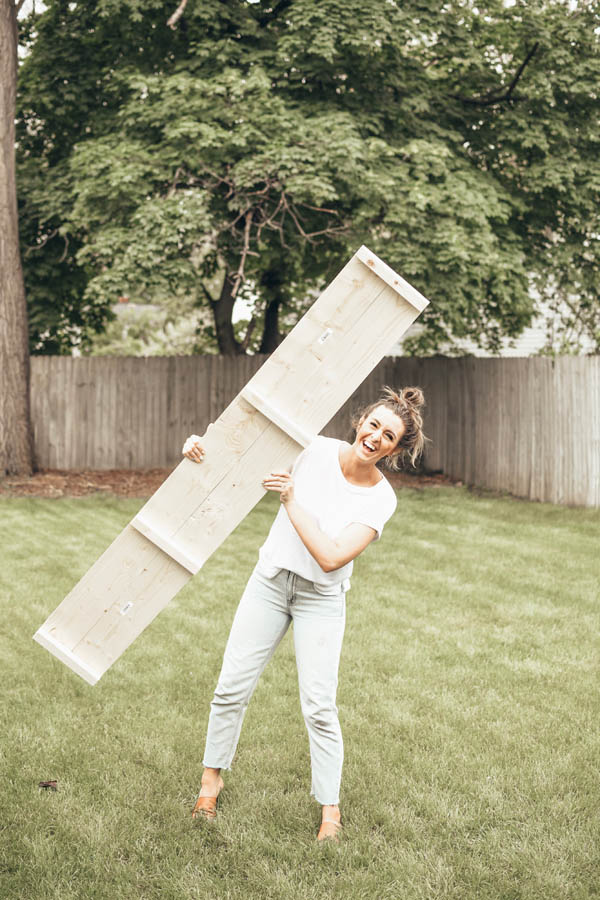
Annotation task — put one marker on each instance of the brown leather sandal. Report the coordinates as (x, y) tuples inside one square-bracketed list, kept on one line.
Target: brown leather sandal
[(205, 808), (330, 830)]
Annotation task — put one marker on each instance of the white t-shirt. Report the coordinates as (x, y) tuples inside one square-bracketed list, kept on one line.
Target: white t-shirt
[(321, 489)]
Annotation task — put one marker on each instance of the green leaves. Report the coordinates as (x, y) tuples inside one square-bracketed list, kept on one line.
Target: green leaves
[(256, 145)]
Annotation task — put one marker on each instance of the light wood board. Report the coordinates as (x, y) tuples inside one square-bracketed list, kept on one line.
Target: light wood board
[(346, 332)]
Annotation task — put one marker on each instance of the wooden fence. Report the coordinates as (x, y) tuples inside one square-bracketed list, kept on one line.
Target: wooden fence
[(527, 426)]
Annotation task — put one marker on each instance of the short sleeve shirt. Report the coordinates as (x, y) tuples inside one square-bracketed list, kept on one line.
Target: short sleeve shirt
[(322, 490)]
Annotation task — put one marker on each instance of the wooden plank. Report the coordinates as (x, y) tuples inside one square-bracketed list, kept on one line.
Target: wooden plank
[(39, 420), (453, 456), (185, 420), (537, 458), (501, 399), (148, 412), (312, 373), (153, 406), (68, 404), (163, 376), (54, 413), (574, 413), (524, 436), (213, 380), (103, 386), (433, 380), (89, 422), (135, 423), (552, 450), (202, 406)]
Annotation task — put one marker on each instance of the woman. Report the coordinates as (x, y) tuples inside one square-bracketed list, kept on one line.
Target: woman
[(334, 503)]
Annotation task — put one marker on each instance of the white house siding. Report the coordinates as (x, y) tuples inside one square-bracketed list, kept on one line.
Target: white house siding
[(529, 343)]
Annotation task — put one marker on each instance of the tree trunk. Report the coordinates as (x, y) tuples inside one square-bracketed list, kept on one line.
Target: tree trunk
[(271, 284), (16, 446), (222, 311), (271, 337)]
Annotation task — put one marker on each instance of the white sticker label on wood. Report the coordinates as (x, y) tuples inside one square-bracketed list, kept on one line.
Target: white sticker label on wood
[(126, 608), (325, 335)]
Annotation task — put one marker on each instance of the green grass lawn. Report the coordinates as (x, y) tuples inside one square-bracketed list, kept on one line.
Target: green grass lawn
[(469, 701)]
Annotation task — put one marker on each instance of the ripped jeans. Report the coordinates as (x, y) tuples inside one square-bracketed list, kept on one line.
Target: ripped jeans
[(264, 614)]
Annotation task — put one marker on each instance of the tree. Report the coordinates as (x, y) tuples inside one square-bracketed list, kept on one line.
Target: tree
[(65, 95), (256, 144), (16, 454)]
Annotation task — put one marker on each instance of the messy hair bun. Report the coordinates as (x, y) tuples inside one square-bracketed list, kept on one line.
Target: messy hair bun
[(412, 396), (407, 404)]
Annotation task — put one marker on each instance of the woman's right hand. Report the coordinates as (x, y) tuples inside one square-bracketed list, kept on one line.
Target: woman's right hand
[(193, 449)]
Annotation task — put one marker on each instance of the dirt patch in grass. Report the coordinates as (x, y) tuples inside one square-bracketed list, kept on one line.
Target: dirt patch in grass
[(81, 482), (139, 482)]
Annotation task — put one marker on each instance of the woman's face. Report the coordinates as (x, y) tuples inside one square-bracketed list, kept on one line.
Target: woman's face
[(378, 434)]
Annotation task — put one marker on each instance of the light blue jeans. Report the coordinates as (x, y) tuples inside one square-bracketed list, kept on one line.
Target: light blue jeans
[(264, 614)]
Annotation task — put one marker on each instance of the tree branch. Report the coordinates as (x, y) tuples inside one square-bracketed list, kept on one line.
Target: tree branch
[(497, 96), (239, 275), (174, 19), (173, 185), (521, 69), (294, 217), (66, 250), (207, 294), (248, 335), (42, 243), (324, 209)]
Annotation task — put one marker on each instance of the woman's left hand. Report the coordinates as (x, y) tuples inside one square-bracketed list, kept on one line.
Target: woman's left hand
[(282, 482)]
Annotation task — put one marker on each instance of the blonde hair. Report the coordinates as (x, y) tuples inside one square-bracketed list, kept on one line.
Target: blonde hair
[(406, 404)]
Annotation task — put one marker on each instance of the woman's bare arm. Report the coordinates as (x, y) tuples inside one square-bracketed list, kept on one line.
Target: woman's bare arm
[(330, 553)]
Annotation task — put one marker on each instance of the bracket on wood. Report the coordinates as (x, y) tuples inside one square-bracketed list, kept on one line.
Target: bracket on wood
[(391, 278), (166, 544), (65, 655), (295, 431)]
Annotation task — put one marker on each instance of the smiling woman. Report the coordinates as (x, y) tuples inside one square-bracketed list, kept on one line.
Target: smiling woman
[(405, 405), (334, 502)]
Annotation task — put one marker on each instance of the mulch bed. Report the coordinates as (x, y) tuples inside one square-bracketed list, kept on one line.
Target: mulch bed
[(81, 482), (138, 482)]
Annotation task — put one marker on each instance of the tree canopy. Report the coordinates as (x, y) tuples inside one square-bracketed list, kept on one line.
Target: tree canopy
[(253, 146)]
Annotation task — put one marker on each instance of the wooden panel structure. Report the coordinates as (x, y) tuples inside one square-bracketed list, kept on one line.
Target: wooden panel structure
[(333, 348), (527, 426)]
